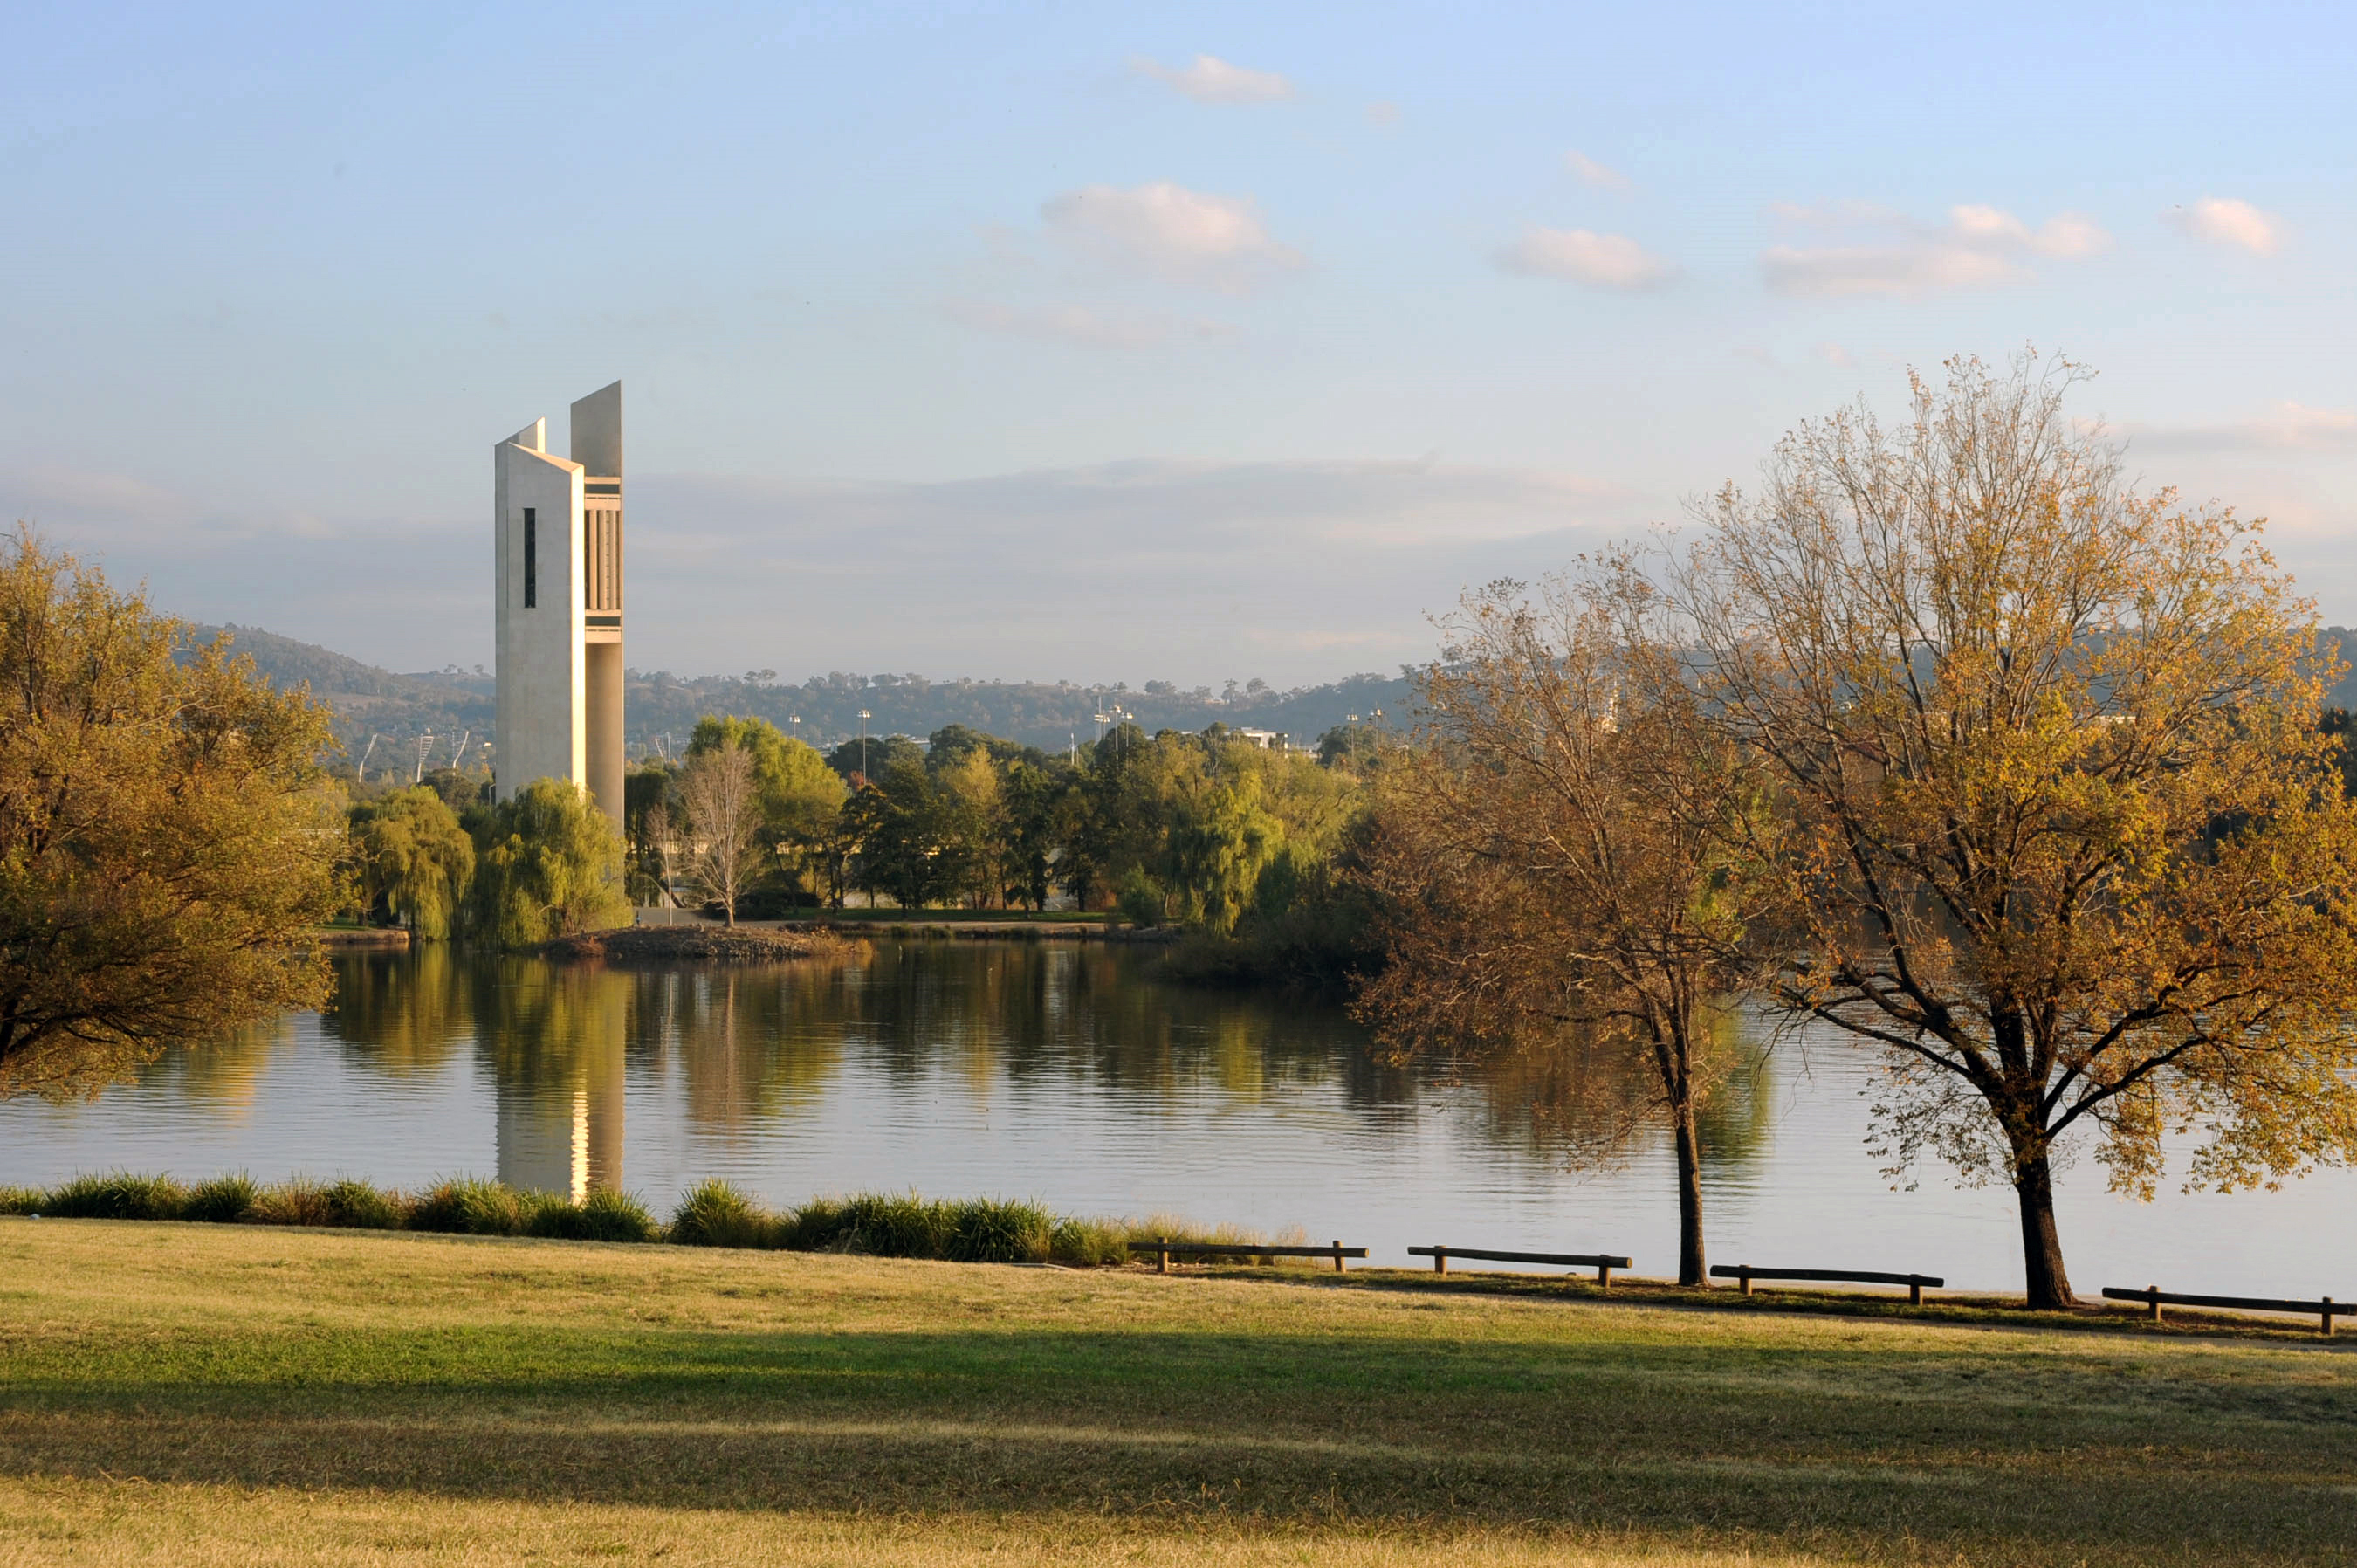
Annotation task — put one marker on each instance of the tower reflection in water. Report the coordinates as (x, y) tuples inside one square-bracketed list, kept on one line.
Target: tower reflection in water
[(555, 1034), (552, 1038)]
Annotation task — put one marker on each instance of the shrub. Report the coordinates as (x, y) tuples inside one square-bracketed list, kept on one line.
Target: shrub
[(894, 1226), (225, 1200), (715, 1214), (119, 1194), (21, 1199), (603, 1215), (1140, 898)]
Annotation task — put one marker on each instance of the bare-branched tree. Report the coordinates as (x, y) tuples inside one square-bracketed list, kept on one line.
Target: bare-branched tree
[(2067, 839), (721, 812)]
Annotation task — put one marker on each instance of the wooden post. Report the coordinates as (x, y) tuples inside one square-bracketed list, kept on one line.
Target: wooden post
[(2152, 1302), (1440, 1260), (1914, 1292), (1337, 1254), (1743, 1273), (1603, 1276), (2328, 1318), (1162, 1256)]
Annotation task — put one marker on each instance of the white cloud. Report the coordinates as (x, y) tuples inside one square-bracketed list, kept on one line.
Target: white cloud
[(1589, 172), (1080, 325), (1384, 113), (2284, 427), (1600, 261), (1833, 354), (1890, 255), (1213, 81), (2220, 220), (1218, 241)]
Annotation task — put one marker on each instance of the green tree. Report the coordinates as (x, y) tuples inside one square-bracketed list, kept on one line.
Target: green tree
[(548, 864), (897, 823), (168, 842), (414, 861)]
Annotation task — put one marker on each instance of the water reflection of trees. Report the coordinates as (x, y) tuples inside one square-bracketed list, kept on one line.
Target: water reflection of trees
[(405, 1014), (750, 1047), (1593, 1104)]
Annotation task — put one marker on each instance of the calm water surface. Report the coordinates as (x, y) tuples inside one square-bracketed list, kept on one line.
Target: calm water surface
[(1068, 1073)]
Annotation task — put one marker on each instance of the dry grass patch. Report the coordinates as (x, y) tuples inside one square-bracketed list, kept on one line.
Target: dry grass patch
[(857, 1409)]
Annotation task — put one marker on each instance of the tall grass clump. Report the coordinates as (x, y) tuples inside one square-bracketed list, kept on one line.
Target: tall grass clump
[(471, 1206), (342, 1204), (21, 1199), (1088, 1243), (118, 1194), (602, 1216), (223, 1201), (715, 1214)]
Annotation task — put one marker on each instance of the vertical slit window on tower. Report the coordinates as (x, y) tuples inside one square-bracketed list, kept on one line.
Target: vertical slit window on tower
[(531, 558)]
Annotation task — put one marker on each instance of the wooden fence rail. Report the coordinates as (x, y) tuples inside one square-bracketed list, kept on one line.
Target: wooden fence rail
[(2155, 1298), (1601, 1263), (1165, 1251), (1915, 1284)]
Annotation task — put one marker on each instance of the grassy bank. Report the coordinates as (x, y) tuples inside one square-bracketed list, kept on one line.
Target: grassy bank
[(248, 1394)]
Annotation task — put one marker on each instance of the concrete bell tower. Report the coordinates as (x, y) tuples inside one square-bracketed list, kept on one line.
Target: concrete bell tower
[(557, 540)]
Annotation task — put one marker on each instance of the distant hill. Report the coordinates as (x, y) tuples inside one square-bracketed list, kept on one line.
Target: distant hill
[(661, 709)]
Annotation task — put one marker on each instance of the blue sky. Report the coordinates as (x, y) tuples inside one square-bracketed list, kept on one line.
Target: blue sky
[(1109, 342)]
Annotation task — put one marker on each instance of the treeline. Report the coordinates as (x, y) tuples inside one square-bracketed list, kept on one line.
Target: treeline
[(1243, 844), (1246, 847)]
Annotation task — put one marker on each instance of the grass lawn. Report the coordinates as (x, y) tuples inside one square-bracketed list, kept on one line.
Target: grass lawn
[(192, 1393)]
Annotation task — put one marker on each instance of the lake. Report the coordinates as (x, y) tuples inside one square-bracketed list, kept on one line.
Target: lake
[(1066, 1073)]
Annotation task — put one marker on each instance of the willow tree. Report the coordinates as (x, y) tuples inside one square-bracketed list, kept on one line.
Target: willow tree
[(1558, 867), (2069, 841), (167, 846)]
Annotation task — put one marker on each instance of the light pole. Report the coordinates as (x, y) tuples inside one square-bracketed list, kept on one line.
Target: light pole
[(864, 717)]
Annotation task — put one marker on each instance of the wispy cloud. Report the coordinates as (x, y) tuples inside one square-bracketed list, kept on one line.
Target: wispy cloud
[(1188, 236), (1210, 80), (2221, 220), (1599, 261), (1382, 112), (1883, 253), (1080, 325), (2284, 427), (1588, 171)]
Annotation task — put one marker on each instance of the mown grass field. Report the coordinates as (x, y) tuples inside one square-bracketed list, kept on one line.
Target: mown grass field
[(246, 1395)]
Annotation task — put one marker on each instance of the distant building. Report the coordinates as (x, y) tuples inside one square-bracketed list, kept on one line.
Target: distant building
[(557, 540), (1267, 739)]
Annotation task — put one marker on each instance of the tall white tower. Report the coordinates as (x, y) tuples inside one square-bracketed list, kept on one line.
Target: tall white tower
[(557, 533)]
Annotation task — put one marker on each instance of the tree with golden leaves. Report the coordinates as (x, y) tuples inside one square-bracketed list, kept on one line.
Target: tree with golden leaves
[(167, 844), (1557, 867), (2067, 840)]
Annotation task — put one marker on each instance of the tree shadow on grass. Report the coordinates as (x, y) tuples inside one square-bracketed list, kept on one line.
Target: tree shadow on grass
[(1866, 1451)]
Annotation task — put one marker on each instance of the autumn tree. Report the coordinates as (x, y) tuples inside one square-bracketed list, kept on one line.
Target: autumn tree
[(1556, 869), (2069, 841), (165, 843), (720, 822)]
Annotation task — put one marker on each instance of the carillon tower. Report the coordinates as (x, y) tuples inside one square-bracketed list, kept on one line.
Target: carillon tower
[(557, 533)]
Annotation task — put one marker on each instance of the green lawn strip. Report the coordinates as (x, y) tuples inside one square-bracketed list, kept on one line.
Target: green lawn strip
[(547, 1372)]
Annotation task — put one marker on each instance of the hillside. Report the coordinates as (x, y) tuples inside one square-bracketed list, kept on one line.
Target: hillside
[(661, 708)]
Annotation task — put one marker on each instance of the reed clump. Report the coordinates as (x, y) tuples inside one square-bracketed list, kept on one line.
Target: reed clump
[(711, 1213)]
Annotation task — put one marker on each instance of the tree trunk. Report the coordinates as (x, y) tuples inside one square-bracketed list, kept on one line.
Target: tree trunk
[(1690, 1252), (2048, 1286)]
